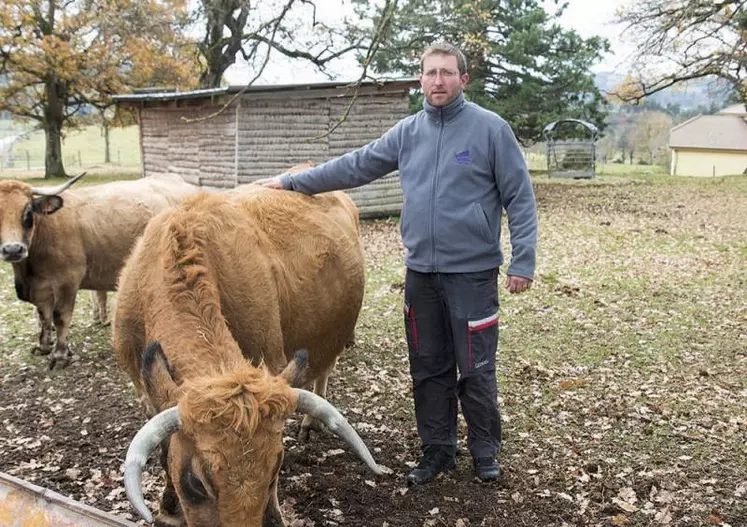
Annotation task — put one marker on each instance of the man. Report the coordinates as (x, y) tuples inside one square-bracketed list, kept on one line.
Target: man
[(459, 166)]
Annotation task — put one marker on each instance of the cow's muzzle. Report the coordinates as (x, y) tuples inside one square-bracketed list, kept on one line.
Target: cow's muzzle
[(13, 252)]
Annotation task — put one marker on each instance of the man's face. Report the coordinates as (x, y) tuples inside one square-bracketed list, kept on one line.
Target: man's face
[(441, 80)]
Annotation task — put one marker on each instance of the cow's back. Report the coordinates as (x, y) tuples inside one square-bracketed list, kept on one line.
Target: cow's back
[(110, 218), (289, 270), (312, 245)]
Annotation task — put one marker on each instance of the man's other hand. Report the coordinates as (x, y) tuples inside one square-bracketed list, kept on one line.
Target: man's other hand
[(517, 284)]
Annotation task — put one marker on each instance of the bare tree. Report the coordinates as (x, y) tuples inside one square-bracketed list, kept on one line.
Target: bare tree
[(680, 40), (651, 135), (381, 27), (254, 31)]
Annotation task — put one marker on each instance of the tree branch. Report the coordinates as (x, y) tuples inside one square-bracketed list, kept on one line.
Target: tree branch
[(386, 18)]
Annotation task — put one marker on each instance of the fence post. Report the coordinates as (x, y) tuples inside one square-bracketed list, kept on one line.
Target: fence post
[(28, 161), (79, 162)]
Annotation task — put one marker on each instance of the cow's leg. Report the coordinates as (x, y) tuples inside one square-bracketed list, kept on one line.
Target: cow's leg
[(169, 511), (320, 388), (100, 313), (63, 316), (273, 517), (95, 306), (44, 313)]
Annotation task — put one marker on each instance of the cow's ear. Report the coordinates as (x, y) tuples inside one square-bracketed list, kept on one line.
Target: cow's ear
[(47, 204), (156, 374), (295, 372)]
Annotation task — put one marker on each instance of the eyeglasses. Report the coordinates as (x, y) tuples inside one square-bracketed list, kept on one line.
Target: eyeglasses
[(443, 72)]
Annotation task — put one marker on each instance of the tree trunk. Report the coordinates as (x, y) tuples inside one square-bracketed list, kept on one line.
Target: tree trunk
[(56, 93), (224, 36), (53, 166), (213, 74), (107, 152)]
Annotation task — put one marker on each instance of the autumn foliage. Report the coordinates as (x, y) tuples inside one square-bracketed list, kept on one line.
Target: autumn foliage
[(59, 60)]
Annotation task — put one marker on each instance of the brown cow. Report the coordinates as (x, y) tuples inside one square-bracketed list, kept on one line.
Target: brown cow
[(56, 250), (246, 274)]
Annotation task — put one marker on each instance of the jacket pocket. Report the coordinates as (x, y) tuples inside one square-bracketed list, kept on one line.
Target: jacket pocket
[(411, 328), (482, 222)]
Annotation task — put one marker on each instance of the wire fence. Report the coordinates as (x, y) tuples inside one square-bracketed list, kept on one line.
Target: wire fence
[(537, 162), (19, 159)]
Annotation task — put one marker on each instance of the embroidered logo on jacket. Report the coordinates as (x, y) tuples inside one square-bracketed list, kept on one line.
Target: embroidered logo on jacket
[(463, 158)]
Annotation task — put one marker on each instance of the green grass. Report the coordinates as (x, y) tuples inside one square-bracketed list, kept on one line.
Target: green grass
[(625, 169), (83, 147), (92, 177)]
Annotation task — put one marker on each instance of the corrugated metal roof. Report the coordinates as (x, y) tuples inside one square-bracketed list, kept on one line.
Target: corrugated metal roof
[(712, 132), (405, 82)]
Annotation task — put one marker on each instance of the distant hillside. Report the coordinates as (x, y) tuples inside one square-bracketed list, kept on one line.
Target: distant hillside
[(687, 95)]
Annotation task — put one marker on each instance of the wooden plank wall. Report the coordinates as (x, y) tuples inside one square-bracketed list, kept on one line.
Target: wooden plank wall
[(262, 136)]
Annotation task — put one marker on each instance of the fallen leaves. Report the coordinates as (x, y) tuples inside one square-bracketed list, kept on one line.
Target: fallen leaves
[(621, 380)]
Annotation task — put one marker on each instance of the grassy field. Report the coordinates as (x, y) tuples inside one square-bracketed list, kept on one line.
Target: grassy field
[(80, 149), (622, 376), (537, 161), (85, 149)]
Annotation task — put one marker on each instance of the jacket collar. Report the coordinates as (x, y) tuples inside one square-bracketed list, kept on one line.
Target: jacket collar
[(445, 113)]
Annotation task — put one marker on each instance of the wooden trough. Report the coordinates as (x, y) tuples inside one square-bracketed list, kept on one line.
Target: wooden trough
[(25, 505)]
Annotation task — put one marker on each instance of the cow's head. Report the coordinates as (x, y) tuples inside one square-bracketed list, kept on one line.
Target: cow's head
[(20, 206), (225, 439)]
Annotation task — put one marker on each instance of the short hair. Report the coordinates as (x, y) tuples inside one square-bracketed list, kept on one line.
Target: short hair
[(444, 48)]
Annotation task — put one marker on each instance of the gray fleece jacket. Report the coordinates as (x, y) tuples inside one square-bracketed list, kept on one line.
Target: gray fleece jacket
[(459, 166)]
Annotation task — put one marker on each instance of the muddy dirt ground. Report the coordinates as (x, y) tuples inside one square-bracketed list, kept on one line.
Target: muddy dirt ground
[(617, 410)]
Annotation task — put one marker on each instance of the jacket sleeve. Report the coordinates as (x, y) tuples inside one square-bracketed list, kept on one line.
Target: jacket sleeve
[(517, 197), (354, 169)]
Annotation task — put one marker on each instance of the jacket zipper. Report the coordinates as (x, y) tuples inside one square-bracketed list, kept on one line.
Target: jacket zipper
[(433, 191)]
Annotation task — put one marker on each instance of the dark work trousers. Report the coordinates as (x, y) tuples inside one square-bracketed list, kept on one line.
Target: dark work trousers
[(451, 320)]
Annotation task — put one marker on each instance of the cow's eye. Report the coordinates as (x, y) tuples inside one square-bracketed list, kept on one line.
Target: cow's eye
[(194, 490), (28, 217)]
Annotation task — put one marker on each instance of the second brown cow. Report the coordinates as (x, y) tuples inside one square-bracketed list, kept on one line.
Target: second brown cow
[(59, 241)]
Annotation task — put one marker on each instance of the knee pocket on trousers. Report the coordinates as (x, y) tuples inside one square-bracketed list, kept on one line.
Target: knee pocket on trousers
[(482, 342)]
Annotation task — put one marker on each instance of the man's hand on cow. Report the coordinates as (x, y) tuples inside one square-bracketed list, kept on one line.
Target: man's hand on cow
[(270, 182), (518, 284)]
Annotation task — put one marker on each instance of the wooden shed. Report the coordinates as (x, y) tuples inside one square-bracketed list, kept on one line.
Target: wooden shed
[(232, 135)]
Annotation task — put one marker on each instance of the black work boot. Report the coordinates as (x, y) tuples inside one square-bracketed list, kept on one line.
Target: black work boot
[(435, 459), (487, 468)]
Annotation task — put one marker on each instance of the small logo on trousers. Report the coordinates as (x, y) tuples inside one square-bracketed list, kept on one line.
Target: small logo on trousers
[(481, 363), (463, 158)]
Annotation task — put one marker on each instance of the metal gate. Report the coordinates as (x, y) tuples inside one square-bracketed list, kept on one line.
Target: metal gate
[(570, 153)]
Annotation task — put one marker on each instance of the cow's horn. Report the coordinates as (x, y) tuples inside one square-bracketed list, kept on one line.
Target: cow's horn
[(311, 404), (145, 441), (53, 191)]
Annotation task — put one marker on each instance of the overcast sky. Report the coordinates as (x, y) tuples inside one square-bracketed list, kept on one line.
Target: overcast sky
[(587, 17), (595, 17)]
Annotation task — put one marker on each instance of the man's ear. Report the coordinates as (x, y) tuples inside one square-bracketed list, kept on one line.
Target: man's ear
[(155, 371), (47, 204)]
